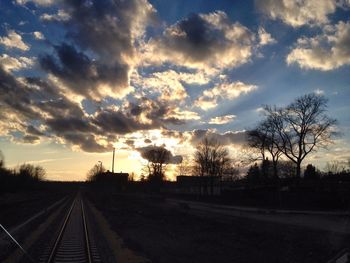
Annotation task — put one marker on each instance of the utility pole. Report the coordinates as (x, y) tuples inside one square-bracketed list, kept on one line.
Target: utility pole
[(100, 166), (113, 160)]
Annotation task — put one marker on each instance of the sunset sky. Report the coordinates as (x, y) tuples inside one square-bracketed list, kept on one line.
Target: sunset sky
[(78, 78)]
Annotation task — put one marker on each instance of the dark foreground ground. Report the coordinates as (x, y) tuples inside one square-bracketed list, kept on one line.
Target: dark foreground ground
[(16, 207), (166, 233), (22, 212)]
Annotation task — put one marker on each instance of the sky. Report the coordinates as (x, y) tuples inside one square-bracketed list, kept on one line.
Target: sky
[(79, 78)]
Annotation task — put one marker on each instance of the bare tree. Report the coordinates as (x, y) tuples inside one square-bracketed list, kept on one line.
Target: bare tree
[(286, 169), (264, 138), (211, 158), (94, 173), (335, 167), (185, 167), (302, 127), (31, 172), (257, 139)]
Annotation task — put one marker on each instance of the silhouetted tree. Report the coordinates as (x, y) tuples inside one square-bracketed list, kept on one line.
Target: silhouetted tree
[(2, 160), (95, 173), (30, 172), (335, 167), (253, 174), (185, 167), (131, 177), (231, 174), (211, 159), (257, 139), (142, 177), (265, 169), (302, 127), (158, 157), (264, 138), (311, 173), (286, 169)]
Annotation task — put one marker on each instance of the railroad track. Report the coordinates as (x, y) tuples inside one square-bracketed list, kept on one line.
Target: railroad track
[(73, 242)]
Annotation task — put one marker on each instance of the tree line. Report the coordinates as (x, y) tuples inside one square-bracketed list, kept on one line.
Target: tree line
[(20, 178)]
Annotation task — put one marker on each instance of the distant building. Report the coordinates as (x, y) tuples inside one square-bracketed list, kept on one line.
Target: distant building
[(198, 185), (119, 180)]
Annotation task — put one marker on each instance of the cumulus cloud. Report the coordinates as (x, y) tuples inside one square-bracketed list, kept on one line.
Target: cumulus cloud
[(14, 97), (106, 123), (298, 13), (207, 41), (96, 61), (169, 84), (225, 90), (12, 64), (327, 51), (265, 38), (121, 123), (37, 2), (110, 28), (227, 138), (222, 119), (86, 76), (87, 142), (14, 40), (159, 113), (38, 35), (61, 15), (33, 100), (99, 62)]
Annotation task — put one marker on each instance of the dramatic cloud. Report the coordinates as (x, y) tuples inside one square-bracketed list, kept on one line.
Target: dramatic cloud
[(33, 100), (12, 64), (224, 90), (327, 51), (118, 122), (203, 41), (227, 138), (87, 142), (14, 40), (298, 13), (31, 139), (110, 28), (169, 84), (33, 131), (222, 119), (85, 76), (105, 34), (160, 113), (14, 99)]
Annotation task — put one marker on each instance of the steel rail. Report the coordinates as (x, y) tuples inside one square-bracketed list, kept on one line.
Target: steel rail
[(59, 237), (86, 233)]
